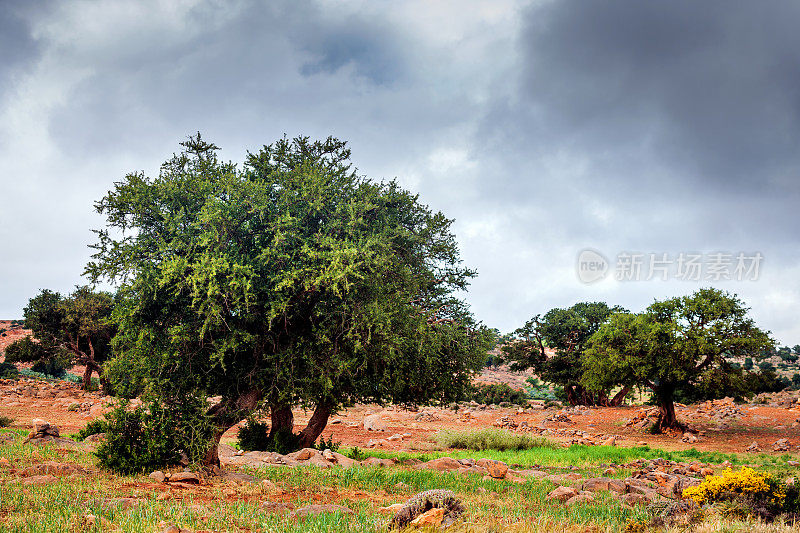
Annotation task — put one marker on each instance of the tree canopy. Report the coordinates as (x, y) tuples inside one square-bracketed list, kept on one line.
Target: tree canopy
[(287, 281), (673, 343), (566, 331), (75, 329)]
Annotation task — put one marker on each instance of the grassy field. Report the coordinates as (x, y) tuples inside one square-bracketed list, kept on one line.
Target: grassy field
[(492, 505)]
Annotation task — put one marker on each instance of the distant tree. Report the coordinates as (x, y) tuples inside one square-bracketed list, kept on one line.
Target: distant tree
[(796, 381), (288, 282), (796, 349), (748, 363), (673, 342), (766, 366), (566, 331), (75, 329)]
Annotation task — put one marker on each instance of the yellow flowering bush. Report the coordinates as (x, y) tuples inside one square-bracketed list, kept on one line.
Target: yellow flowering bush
[(759, 491)]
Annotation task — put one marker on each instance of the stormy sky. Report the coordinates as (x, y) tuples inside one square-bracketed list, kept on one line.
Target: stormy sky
[(544, 128)]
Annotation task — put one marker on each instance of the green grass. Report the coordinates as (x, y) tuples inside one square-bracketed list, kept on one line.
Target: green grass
[(492, 505)]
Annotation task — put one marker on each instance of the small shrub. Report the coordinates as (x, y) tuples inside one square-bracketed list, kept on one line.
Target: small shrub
[(94, 427), (497, 394), (489, 439), (5, 421), (745, 491), (155, 435), (254, 435), (356, 454), (322, 445), (8, 371)]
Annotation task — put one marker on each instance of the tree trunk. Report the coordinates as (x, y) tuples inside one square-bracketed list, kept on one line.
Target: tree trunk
[(666, 411), (224, 416), (316, 424), (87, 378), (571, 398), (281, 420), (619, 397)]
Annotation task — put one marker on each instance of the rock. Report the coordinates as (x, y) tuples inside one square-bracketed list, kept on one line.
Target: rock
[(42, 428), (610, 441), (374, 423), (610, 472), (578, 499), (276, 507), (303, 455), (781, 445), (184, 477), (391, 509), (433, 517), (425, 501), (689, 437), (562, 494), (496, 469), (92, 521), (317, 509), (634, 499), (443, 464), (158, 476), (706, 472), (238, 477), (376, 461), (793, 463), (596, 484), (754, 447)]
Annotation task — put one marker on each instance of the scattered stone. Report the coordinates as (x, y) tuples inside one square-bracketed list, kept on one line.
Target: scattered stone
[(496, 469), (754, 447), (634, 499), (391, 509), (781, 445), (40, 480), (54, 468), (158, 476)]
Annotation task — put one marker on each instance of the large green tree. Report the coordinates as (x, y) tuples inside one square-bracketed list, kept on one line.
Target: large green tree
[(76, 329), (566, 332), (287, 281), (673, 344)]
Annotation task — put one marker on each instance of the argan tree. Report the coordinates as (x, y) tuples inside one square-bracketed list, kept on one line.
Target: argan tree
[(75, 329), (673, 343), (288, 281), (566, 331)]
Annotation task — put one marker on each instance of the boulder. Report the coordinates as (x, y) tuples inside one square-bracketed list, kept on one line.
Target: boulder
[(562, 494), (432, 518), (578, 499), (184, 477), (443, 464), (53, 468), (496, 469), (374, 423)]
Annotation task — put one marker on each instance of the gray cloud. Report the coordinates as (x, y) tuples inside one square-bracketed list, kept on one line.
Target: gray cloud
[(542, 127)]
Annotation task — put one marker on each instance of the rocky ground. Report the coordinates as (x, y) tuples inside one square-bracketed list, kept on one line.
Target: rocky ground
[(771, 424)]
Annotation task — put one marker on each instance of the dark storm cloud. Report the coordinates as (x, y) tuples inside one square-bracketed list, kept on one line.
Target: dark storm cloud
[(17, 45), (711, 89), (244, 66)]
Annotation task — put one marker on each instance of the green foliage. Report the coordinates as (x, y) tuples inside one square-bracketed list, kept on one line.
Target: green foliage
[(287, 281), (489, 439), (8, 371), (254, 435), (98, 425), (766, 381), (70, 330), (154, 435), (498, 393), (717, 382), (748, 363), (566, 331), (355, 453), (674, 342), (323, 445), (536, 390), (5, 421)]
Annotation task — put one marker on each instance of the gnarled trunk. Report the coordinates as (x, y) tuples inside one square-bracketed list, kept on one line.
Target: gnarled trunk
[(87, 377), (619, 397), (281, 420), (316, 424), (667, 419), (224, 416)]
